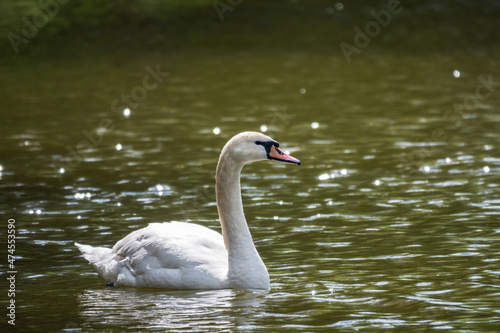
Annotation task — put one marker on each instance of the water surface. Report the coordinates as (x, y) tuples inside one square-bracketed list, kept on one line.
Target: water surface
[(390, 222)]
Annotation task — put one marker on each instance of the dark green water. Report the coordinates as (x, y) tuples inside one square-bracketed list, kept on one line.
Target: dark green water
[(391, 223)]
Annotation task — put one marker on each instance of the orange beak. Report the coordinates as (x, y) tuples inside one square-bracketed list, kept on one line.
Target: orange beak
[(277, 154)]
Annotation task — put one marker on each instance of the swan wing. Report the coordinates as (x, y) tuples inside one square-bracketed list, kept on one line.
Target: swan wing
[(172, 255)]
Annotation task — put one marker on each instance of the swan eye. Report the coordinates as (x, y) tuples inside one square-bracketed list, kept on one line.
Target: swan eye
[(267, 144)]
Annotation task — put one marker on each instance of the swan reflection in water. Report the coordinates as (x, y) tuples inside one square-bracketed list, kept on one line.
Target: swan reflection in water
[(154, 309)]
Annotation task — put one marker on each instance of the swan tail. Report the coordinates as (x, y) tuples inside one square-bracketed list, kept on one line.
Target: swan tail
[(103, 259)]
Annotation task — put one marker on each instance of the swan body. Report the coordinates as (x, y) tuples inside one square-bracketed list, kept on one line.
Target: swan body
[(177, 255)]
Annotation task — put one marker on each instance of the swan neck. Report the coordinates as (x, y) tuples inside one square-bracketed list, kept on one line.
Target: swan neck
[(245, 267), (229, 203)]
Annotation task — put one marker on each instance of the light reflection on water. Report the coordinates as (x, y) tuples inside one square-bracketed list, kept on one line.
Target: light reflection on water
[(379, 227)]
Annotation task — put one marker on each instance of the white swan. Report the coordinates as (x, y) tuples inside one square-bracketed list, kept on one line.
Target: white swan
[(176, 255)]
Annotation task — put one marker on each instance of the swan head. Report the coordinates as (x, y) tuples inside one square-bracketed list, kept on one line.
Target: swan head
[(249, 147)]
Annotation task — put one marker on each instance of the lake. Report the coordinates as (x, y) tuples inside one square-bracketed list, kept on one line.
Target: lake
[(391, 221)]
